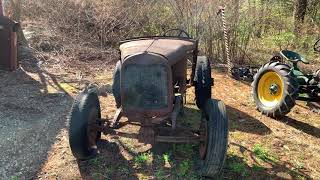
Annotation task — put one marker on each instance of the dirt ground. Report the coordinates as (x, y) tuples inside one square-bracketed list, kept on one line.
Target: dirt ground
[(33, 109), (36, 99)]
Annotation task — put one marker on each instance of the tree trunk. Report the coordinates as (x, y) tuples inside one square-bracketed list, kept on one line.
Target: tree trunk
[(1, 9), (299, 14), (12, 9)]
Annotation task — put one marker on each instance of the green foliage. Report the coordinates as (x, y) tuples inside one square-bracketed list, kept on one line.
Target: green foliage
[(185, 150), (14, 178), (124, 170), (284, 40), (166, 158), (142, 159), (96, 162), (263, 154), (97, 176), (159, 174), (298, 165), (184, 167), (257, 168), (239, 168)]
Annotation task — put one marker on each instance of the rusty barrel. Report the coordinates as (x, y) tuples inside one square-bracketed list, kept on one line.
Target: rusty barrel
[(8, 44)]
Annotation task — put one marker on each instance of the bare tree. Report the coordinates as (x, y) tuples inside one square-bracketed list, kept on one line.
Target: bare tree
[(12, 9), (299, 14)]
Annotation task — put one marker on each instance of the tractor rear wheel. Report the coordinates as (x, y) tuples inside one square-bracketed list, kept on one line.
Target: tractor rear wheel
[(213, 148), (274, 89), (203, 81), (84, 115)]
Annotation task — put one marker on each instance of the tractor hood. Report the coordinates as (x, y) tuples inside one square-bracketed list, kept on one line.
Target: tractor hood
[(172, 49)]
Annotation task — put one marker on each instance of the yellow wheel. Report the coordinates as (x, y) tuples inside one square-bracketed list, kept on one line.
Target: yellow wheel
[(274, 89), (270, 89)]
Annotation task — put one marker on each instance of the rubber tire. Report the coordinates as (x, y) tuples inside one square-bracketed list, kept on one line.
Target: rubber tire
[(217, 138), (291, 88), (116, 84), (81, 108), (203, 81)]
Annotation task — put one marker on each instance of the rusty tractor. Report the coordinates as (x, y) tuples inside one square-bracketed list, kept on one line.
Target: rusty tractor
[(149, 86)]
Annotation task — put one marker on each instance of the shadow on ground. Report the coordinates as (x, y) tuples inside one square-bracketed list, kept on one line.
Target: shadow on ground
[(236, 167), (30, 117), (111, 164), (302, 126), (243, 122)]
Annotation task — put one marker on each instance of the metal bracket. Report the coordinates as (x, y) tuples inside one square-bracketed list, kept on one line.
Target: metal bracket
[(176, 110), (116, 119)]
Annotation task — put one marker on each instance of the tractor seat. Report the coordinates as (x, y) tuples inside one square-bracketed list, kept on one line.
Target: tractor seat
[(293, 56)]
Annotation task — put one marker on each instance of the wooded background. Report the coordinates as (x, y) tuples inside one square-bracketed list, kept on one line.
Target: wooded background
[(256, 28)]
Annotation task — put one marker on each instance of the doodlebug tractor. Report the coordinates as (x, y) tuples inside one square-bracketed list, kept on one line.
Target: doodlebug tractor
[(149, 85)]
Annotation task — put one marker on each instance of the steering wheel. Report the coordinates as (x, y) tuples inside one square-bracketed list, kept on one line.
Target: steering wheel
[(317, 46), (177, 33)]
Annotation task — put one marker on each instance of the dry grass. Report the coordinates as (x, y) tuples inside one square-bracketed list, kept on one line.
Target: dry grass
[(75, 34), (78, 40), (259, 147)]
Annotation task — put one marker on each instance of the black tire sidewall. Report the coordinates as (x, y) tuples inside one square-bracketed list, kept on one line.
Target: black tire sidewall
[(84, 103), (203, 81), (116, 84), (282, 107), (217, 138), (256, 83)]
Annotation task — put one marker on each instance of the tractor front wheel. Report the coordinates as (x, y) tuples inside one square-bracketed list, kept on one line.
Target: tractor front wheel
[(214, 133), (274, 89), (84, 115)]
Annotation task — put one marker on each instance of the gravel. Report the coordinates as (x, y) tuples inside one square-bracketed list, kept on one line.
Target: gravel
[(30, 120)]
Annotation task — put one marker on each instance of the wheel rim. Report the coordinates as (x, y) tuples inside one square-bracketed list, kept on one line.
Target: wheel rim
[(203, 142), (91, 130), (270, 89)]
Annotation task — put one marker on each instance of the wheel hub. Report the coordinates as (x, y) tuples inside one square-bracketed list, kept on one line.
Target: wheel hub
[(274, 88), (270, 89)]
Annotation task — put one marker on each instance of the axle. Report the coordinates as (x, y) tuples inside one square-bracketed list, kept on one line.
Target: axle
[(152, 135)]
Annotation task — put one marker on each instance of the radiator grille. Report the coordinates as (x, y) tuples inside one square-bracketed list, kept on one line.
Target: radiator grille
[(145, 86)]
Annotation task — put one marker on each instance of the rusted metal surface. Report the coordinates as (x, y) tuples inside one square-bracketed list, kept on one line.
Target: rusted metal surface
[(179, 75), (151, 134), (146, 59), (153, 71), (176, 110), (173, 49), (8, 44), (116, 119), (194, 63), (146, 135), (179, 129), (176, 139)]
